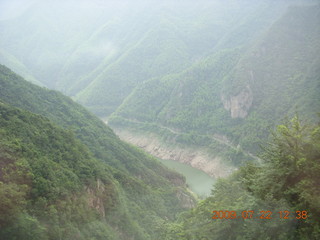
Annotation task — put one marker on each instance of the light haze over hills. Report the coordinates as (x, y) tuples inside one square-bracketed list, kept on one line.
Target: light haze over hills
[(200, 82)]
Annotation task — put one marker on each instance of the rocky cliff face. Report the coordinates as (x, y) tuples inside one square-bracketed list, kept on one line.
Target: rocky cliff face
[(96, 197), (196, 157), (240, 104), (185, 199)]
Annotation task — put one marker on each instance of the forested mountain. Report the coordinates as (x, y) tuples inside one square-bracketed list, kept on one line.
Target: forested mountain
[(239, 92), (213, 75), (98, 52), (201, 82), (55, 184), (278, 199), (65, 173)]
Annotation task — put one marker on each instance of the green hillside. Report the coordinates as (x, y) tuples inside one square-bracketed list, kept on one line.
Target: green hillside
[(239, 92), (278, 199), (47, 180), (212, 76), (122, 45), (65, 152), (173, 40), (202, 69), (211, 84)]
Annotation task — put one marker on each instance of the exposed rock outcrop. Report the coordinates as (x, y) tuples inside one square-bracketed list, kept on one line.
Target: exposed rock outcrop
[(240, 104), (95, 199), (197, 158), (185, 199)]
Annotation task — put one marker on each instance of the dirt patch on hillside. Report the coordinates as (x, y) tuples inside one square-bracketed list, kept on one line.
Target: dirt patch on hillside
[(196, 157)]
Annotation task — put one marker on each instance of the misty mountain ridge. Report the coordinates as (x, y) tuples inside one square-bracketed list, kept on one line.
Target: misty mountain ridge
[(70, 174), (206, 83), (202, 74)]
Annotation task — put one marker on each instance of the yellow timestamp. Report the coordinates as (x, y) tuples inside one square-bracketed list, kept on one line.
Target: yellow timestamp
[(251, 214)]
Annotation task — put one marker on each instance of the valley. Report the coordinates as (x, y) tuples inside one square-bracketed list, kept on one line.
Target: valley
[(112, 111), (196, 157)]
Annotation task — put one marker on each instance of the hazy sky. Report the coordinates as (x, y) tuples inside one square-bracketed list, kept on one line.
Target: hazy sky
[(13, 8)]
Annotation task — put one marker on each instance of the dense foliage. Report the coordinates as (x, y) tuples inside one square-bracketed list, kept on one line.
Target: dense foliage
[(177, 69), (288, 180), (122, 45), (52, 185), (69, 174), (278, 74), (176, 64), (44, 171)]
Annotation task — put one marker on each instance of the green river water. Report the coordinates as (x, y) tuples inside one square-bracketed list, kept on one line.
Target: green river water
[(198, 181)]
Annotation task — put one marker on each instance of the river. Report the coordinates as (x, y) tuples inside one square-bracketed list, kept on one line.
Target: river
[(198, 181)]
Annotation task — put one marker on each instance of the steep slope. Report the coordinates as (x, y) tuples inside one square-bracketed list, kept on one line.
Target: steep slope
[(235, 95), (146, 191), (175, 36), (46, 34), (202, 74), (98, 52), (48, 178), (276, 200)]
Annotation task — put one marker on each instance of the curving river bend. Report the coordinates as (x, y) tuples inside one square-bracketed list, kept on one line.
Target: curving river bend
[(198, 181)]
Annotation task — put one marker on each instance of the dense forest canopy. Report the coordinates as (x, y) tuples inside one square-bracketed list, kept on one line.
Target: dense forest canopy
[(276, 200), (65, 173), (205, 68), (229, 87)]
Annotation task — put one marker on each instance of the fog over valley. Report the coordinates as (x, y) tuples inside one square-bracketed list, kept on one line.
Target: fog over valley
[(159, 119)]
